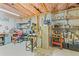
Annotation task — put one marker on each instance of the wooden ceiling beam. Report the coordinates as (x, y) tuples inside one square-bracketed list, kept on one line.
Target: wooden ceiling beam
[(40, 7), (31, 8), (49, 6), (24, 6), (20, 10), (9, 8), (44, 6), (54, 9), (35, 7)]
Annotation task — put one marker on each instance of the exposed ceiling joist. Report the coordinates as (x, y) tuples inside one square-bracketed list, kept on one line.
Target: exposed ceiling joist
[(40, 6), (8, 8), (22, 9), (44, 6), (18, 8), (31, 8), (28, 11)]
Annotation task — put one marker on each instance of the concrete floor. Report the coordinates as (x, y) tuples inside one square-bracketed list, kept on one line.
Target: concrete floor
[(19, 50), (14, 50)]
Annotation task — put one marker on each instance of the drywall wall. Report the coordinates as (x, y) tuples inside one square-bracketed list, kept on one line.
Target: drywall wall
[(6, 23)]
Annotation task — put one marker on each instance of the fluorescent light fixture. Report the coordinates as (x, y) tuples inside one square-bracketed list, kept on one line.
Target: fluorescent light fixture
[(9, 12)]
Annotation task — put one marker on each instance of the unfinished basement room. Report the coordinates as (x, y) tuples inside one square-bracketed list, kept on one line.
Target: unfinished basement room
[(39, 29)]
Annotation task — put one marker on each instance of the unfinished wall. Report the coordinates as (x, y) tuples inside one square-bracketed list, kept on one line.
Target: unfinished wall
[(61, 16), (44, 30)]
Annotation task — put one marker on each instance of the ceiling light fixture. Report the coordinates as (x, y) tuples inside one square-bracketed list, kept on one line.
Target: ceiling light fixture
[(3, 10)]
